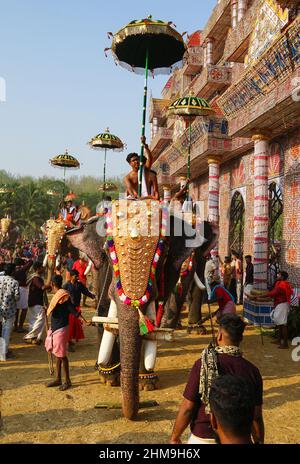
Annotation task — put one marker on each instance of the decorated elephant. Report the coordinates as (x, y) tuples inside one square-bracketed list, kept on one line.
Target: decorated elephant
[(190, 289), (141, 262), (83, 238), (9, 232)]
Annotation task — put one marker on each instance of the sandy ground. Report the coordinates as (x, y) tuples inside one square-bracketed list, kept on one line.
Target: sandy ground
[(32, 413)]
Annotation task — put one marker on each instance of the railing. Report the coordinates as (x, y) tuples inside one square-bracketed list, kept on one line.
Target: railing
[(214, 17), (158, 108), (211, 75), (241, 32), (162, 134), (273, 67)]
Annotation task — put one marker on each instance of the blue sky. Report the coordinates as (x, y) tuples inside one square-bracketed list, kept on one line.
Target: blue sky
[(60, 87)]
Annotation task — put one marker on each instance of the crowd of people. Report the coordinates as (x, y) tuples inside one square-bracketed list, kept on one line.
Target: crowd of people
[(230, 273), (224, 394), (24, 295)]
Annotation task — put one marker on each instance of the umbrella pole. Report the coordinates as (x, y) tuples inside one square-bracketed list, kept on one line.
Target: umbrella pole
[(104, 174), (189, 157), (140, 175), (64, 183)]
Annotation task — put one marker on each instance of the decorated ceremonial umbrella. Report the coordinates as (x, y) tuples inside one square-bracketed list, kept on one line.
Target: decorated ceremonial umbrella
[(65, 161), (145, 45), (189, 108), (106, 141)]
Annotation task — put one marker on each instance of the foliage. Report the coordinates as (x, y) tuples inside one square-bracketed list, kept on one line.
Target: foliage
[(294, 322), (29, 202)]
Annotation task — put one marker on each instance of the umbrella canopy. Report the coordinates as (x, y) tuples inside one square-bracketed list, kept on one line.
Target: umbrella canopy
[(108, 187), (163, 44), (65, 161), (190, 106), (106, 141)]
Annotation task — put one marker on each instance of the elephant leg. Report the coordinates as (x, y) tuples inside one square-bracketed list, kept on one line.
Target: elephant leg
[(130, 348), (195, 314), (148, 380), (195, 308)]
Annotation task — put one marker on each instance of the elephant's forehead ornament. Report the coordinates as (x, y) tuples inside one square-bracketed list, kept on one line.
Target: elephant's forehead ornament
[(5, 223), (136, 231), (54, 232)]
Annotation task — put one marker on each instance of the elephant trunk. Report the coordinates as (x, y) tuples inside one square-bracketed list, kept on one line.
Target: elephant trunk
[(130, 348), (50, 269)]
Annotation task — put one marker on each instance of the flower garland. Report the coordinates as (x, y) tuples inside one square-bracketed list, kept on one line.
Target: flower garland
[(189, 267)]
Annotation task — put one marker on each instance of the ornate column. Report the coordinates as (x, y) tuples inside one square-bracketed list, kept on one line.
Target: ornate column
[(234, 13), (213, 191), (242, 6), (261, 209), (204, 55), (167, 193), (209, 52)]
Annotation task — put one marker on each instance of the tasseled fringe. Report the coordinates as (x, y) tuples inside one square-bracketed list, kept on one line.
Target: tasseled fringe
[(159, 314), (145, 324)]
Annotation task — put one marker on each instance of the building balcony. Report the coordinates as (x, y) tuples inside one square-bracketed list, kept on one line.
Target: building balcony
[(208, 136), (211, 79), (219, 21), (193, 61), (264, 96), (206, 145), (158, 109), (237, 41), (162, 137)]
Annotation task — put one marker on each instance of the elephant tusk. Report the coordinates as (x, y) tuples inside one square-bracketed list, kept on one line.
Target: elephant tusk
[(150, 346), (57, 262), (150, 350), (89, 267), (45, 260), (198, 282), (108, 338)]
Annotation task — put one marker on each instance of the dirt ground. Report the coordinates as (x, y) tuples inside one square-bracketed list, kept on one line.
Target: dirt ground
[(32, 413)]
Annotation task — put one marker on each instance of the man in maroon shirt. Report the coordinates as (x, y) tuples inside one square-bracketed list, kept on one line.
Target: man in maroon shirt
[(226, 358)]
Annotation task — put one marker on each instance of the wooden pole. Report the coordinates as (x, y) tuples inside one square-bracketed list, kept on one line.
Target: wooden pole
[(140, 175)]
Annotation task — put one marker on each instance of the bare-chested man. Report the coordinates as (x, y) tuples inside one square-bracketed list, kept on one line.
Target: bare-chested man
[(149, 181)]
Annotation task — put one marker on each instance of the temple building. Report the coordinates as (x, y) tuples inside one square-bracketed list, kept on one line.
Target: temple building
[(245, 157)]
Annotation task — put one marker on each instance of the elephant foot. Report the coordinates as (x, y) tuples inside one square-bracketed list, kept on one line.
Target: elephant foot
[(195, 328), (148, 381), (109, 375)]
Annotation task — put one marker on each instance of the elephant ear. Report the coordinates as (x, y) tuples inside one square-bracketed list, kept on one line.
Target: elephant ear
[(182, 242), (90, 238), (184, 239)]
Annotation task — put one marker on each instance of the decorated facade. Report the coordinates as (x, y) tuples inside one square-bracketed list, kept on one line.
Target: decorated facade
[(245, 158)]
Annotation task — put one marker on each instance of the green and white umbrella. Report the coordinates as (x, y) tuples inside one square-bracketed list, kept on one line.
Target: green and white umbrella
[(106, 141), (147, 45)]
